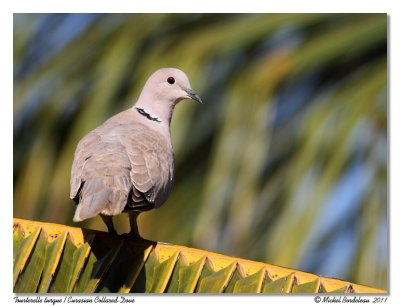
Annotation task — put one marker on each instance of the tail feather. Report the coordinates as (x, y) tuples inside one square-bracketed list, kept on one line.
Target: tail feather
[(91, 205), (97, 196)]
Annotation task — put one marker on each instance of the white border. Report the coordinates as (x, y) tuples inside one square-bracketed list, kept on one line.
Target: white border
[(292, 6), (204, 6)]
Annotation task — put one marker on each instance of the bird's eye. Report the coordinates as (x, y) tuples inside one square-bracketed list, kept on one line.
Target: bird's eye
[(171, 80)]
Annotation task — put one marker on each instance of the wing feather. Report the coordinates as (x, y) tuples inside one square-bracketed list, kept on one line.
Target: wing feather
[(121, 166)]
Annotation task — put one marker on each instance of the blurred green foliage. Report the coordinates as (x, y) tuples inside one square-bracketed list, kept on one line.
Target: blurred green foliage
[(286, 161)]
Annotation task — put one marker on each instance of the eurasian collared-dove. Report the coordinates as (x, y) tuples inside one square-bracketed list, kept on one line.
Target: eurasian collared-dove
[(127, 163)]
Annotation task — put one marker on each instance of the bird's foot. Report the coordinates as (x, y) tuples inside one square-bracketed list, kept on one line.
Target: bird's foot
[(132, 235), (109, 223), (112, 231)]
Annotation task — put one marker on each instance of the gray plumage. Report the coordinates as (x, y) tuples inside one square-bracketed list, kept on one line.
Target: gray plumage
[(127, 163)]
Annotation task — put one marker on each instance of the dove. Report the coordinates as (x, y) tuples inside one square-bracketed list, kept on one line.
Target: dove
[(126, 165)]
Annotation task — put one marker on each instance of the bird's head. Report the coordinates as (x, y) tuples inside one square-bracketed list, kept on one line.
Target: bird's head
[(163, 90), (171, 84)]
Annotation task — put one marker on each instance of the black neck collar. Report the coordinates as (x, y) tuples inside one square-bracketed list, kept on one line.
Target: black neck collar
[(147, 115)]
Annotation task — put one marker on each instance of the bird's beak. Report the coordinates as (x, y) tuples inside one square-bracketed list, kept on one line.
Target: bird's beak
[(192, 95)]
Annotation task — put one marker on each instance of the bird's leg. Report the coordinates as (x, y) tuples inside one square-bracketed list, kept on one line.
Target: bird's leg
[(133, 222), (109, 223)]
